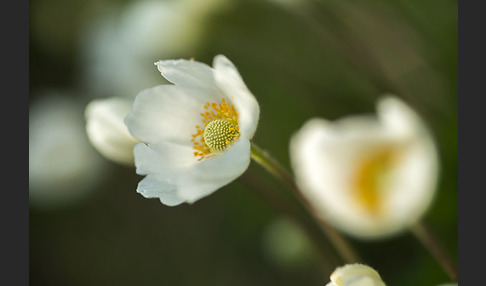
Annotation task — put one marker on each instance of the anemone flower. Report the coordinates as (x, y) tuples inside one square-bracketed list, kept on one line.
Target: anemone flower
[(195, 133), (368, 176)]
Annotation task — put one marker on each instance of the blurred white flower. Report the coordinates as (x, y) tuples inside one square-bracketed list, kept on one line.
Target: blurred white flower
[(355, 275), (196, 133), (107, 131), (63, 166), (118, 47), (368, 176)]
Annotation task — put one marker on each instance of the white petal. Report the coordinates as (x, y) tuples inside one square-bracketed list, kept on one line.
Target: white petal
[(399, 118), (187, 73), (230, 82), (107, 131), (150, 187), (314, 170), (214, 173), (166, 112), (64, 168), (355, 275), (164, 160), (416, 175)]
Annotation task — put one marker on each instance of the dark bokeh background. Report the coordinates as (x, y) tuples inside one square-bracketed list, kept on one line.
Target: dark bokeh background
[(301, 59)]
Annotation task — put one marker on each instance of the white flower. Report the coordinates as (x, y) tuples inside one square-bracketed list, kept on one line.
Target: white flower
[(63, 166), (107, 131), (196, 133), (370, 177), (355, 275)]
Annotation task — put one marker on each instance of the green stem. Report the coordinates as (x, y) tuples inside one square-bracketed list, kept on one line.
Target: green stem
[(430, 242), (266, 161), (328, 256)]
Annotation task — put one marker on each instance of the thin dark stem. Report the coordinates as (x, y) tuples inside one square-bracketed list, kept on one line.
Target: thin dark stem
[(265, 160), (328, 256), (431, 243)]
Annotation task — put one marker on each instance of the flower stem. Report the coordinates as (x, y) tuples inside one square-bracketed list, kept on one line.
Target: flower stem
[(425, 235), (328, 256), (339, 242)]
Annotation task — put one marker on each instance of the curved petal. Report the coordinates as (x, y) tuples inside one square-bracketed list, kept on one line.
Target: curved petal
[(399, 118), (413, 185), (230, 82), (187, 73), (167, 112), (107, 131), (309, 162), (214, 173), (164, 160), (355, 275), (416, 175), (150, 187)]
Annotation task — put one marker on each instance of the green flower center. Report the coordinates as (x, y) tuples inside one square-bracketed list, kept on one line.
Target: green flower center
[(219, 134), (218, 131)]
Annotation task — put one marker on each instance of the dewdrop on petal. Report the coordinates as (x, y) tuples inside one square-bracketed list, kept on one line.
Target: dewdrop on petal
[(369, 176), (196, 131), (355, 275)]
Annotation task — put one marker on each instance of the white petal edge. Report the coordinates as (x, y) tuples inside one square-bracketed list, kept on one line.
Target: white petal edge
[(228, 79), (150, 187), (213, 173), (164, 160), (107, 131), (399, 118), (187, 73), (355, 275)]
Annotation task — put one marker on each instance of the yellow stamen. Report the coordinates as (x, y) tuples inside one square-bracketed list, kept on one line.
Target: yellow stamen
[(218, 131), (369, 181)]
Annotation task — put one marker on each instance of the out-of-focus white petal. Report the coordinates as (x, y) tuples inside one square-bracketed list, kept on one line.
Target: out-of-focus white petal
[(152, 188), (355, 275), (119, 46), (214, 173), (64, 168), (228, 79), (391, 155), (166, 112), (107, 131)]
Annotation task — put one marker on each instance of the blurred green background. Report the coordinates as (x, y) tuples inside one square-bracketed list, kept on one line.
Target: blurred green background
[(300, 58)]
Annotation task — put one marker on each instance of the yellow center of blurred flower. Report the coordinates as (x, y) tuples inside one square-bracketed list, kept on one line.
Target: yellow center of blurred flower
[(220, 129), (370, 180)]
